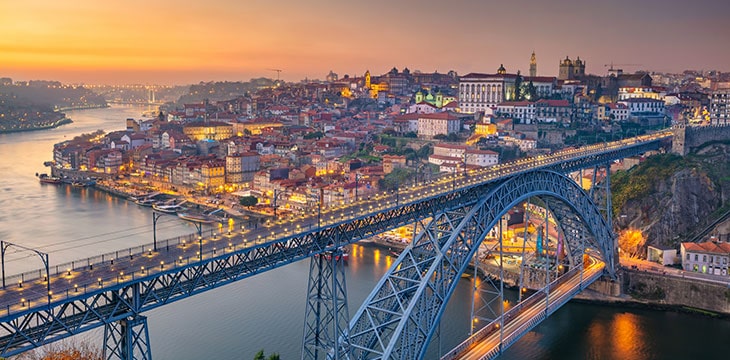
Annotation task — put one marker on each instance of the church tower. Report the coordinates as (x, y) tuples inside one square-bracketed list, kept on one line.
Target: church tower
[(367, 79), (533, 65)]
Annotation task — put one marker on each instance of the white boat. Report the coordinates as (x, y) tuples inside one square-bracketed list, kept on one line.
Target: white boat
[(170, 207), (206, 218)]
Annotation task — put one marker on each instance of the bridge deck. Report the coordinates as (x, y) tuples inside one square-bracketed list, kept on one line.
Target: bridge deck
[(90, 277), (497, 336)]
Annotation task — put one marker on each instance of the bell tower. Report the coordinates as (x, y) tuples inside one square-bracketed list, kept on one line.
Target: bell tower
[(533, 65)]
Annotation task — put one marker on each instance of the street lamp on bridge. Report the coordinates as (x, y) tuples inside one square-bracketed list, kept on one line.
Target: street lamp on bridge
[(4, 245)]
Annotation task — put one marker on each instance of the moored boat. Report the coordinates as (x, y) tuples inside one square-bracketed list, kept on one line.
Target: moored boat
[(45, 179), (200, 218), (169, 207)]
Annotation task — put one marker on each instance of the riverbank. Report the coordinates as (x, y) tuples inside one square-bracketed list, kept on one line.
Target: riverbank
[(593, 297), (44, 126), (85, 107)]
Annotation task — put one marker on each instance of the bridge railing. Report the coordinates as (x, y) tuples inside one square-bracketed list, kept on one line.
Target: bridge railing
[(511, 313), (103, 259)]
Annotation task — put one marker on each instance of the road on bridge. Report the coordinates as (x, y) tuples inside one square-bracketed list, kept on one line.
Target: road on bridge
[(25, 292), (519, 320)]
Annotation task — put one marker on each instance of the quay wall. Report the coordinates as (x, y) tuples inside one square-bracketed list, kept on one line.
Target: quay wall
[(687, 138), (655, 288)]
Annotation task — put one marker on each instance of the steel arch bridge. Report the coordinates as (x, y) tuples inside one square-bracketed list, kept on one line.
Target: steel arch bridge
[(400, 316), (113, 292)]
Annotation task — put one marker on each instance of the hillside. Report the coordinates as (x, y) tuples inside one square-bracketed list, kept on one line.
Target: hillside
[(670, 198)]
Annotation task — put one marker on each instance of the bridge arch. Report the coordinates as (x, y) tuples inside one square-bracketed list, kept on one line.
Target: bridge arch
[(399, 317)]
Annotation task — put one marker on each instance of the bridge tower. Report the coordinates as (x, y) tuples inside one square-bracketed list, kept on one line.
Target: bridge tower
[(327, 317), (127, 339)]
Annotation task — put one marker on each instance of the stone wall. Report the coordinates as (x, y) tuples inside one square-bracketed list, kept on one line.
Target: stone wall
[(686, 138), (676, 291)]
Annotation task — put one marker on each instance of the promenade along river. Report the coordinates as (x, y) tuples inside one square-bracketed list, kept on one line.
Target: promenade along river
[(267, 310)]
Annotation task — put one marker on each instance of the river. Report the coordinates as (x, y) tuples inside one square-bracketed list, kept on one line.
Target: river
[(267, 310)]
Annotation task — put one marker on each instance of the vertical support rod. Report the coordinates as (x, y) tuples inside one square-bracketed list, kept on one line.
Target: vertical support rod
[(547, 258), (474, 288), (524, 244), (2, 251), (501, 288)]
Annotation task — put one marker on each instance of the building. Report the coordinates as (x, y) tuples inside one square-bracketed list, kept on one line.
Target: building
[(522, 111), (481, 92), (570, 70), (208, 130), (452, 157), (707, 257), (638, 106), (719, 104), (662, 255), (430, 125), (533, 65)]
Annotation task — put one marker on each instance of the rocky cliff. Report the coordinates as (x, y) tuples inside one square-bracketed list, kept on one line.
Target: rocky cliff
[(670, 198)]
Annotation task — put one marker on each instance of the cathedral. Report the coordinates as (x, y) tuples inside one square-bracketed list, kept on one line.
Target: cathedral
[(570, 70)]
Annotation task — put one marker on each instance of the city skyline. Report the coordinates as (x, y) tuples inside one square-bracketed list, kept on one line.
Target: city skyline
[(173, 42)]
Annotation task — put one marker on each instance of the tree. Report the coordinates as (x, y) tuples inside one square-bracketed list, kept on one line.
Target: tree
[(64, 351), (314, 135), (248, 201), (260, 355), (518, 85), (397, 178)]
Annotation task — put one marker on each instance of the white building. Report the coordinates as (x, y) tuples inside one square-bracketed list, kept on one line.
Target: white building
[(638, 106), (453, 157), (544, 85), (524, 111), (707, 257), (479, 92), (619, 111), (720, 104), (430, 125)]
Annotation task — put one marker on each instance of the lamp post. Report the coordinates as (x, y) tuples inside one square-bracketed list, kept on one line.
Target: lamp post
[(44, 257), (155, 216)]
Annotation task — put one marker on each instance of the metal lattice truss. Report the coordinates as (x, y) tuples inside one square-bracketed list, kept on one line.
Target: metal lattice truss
[(61, 317), (127, 339), (327, 316), (399, 317)]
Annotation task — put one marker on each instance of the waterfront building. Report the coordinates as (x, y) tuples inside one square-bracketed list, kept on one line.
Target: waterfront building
[(707, 257)]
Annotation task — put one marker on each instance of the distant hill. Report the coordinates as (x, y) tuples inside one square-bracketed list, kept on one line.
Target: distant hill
[(49, 94)]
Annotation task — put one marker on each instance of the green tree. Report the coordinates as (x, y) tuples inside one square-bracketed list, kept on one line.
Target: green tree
[(314, 135), (260, 355), (274, 356), (248, 201), (518, 86), (397, 178)]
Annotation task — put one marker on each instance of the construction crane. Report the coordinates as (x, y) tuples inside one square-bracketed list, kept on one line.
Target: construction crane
[(278, 71), (612, 65)]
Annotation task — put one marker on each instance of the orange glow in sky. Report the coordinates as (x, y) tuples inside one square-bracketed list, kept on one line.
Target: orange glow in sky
[(186, 41)]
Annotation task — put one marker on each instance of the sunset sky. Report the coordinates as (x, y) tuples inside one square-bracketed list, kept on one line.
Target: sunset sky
[(185, 41)]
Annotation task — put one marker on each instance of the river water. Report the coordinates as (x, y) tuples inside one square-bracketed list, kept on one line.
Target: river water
[(267, 310)]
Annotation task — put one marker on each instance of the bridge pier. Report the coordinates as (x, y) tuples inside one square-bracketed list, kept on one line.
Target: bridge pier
[(127, 339), (326, 318)]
